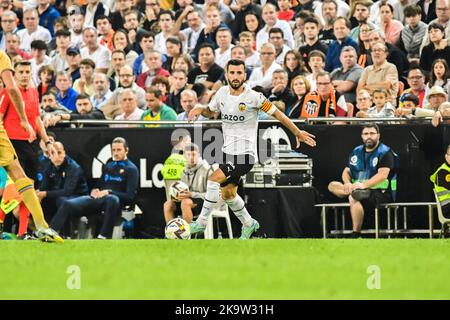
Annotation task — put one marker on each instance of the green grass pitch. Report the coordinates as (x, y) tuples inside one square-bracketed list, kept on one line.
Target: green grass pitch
[(227, 269)]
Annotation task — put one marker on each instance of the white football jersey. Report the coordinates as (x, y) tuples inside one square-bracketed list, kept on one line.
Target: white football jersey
[(240, 119)]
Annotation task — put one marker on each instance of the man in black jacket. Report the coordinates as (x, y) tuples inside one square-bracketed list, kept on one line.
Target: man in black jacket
[(116, 189), (62, 179)]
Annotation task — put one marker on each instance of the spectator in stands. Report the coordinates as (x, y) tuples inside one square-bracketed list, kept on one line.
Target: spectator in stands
[(361, 15), (84, 111), (94, 51), (241, 8), (38, 50), (298, 31), (345, 79), (305, 5), (166, 23), (247, 41), (86, 82), (105, 31), (178, 85), (188, 102), (413, 33), (195, 26), (443, 112), (46, 76), (280, 91), (294, 65), (364, 102), (146, 44), (253, 23), (316, 63), (13, 47), (152, 10), (325, 101), (117, 62), (300, 87), (394, 54), (156, 109), (443, 18), (440, 75), (226, 14), (341, 29), (381, 74), (76, 22), (437, 49), (428, 9), (416, 82), (50, 107), (436, 97), (73, 58), (128, 106), (442, 184), (47, 15), (369, 178), (102, 93), (276, 38), (391, 27), (162, 84), (59, 60), (121, 42), (62, 179), (285, 13), (224, 40), (126, 80), (118, 16), (262, 76), (195, 175), (93, 11), (184, 62), (343, 9), (270, 17), (8, 25), (381, 107), (66, 93), (154, 61), (32, 31), (312, 42), (116, 189), (329, 16), (174, 50), (208, 72), (133, 29), (208, 34)]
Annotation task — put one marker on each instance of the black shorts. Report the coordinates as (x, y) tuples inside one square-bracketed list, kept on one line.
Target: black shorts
[(376, 197), (195, 211), (28, 154), (234, 167)]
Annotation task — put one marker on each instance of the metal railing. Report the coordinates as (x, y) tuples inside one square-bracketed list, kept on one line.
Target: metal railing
[(332, 120)]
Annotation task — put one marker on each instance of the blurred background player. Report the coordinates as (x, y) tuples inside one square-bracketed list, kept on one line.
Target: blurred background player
[(8, 157)]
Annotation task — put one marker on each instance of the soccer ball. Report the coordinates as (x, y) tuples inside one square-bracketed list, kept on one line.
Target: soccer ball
[(177, 187), (178, 229)]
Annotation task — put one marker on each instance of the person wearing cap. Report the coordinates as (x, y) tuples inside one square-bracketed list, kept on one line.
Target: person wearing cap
[(73, 58), (436, 97), (59, 61), (94, 51)]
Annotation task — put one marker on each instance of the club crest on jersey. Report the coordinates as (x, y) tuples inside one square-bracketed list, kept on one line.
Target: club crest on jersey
[(242, 107), (311, 107)]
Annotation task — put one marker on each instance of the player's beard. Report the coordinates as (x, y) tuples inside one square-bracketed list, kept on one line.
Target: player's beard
[(236, 84)]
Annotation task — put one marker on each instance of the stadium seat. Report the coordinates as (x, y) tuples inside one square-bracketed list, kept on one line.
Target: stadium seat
[(221, 211), (443, 220)]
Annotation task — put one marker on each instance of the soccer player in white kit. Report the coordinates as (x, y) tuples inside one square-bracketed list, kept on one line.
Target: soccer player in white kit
[(239, 106)]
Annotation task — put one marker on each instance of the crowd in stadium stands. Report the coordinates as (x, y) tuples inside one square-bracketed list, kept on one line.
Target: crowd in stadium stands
[(155, 59)]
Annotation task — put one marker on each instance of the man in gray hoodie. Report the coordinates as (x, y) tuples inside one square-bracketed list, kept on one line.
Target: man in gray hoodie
[(195, 175)]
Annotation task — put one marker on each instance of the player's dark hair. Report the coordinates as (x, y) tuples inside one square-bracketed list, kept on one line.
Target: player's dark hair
[(371, 125), (235, 62)]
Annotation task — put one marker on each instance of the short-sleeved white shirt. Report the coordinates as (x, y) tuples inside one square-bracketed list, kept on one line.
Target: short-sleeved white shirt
[(101, 56), (240, 119)]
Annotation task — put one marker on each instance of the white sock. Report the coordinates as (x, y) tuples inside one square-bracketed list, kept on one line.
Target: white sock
[(238, 206), (211, 198)]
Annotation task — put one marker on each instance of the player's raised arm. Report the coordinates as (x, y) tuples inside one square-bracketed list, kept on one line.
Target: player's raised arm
[(300, 135)]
